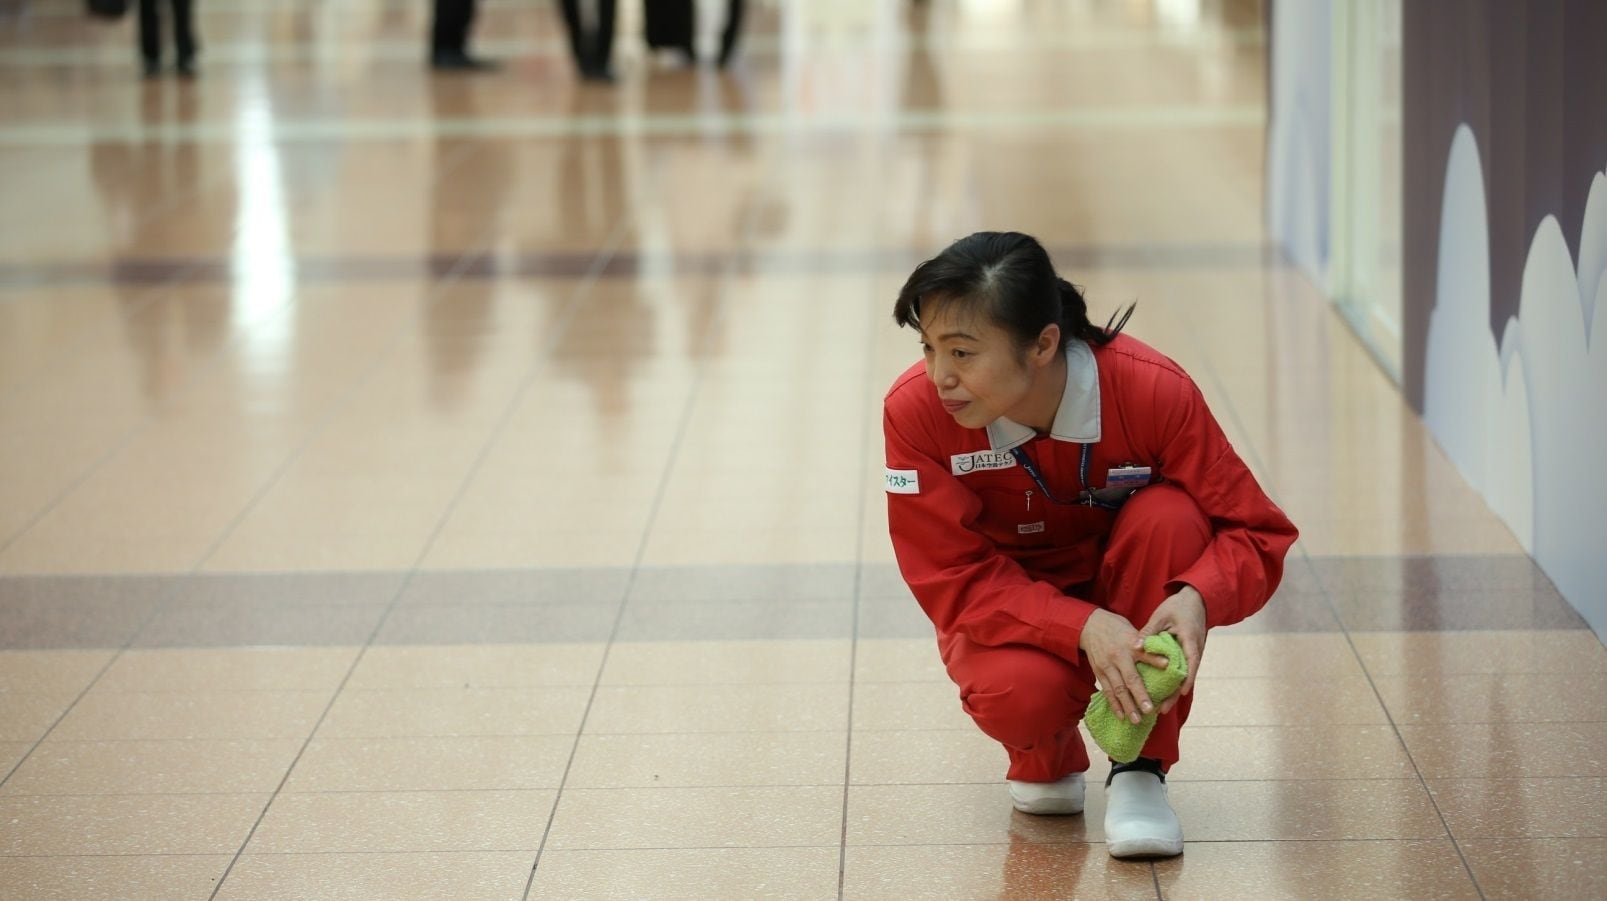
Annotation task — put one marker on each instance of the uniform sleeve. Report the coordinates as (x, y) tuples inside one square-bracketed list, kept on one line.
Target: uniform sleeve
[(960, 578), (1243, 563)]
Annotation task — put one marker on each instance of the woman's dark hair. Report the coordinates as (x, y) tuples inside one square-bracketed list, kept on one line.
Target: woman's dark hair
[(1006, 276)]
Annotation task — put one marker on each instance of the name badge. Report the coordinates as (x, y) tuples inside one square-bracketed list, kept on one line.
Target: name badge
[(1127, 477)]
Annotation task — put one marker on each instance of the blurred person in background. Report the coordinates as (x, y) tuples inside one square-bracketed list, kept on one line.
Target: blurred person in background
[(150, 37)]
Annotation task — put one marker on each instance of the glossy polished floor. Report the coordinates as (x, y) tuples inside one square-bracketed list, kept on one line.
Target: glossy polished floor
[(470, 487)]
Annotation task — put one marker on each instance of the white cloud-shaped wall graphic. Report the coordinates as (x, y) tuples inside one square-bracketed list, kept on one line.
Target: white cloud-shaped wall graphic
[(1526, 423)]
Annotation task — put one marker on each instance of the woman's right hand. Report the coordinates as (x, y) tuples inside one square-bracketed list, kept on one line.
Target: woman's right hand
[(1108, 640)]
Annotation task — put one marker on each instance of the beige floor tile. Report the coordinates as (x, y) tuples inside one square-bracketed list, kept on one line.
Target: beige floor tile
[(971, 814), (907, 706), (363, 877), (142, 878), (25, 716), (531, 546), (1522, 808), (1559, 868), (153, 767), (477, 666), (1320, 654), (673, 546), (404, 821), (711, 759), (405, 712), (1291, 752), (930, 756), (1435, 654), (714, 662), (1018, 869), (898, 660), (50, 672), (127, 715), (432, 764), (1495, 697), (12, 752), (697, 873), (1299, 869), (1507, 750), (229, 669), (718, 708), (1325, 810), (293, 546), (749, 817), (127, 824), (1338, 700)]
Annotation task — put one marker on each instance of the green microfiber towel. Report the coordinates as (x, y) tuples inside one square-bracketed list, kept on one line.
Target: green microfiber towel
[(1121, 739)]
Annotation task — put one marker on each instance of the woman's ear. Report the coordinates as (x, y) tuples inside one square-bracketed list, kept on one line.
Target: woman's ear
[(1047, 347)]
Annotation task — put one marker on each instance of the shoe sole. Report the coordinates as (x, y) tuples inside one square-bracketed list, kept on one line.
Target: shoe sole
[(1049, 808), (1145, 847)]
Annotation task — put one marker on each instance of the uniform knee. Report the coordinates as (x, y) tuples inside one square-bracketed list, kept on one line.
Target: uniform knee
[(1023, 713), (1163, 514)]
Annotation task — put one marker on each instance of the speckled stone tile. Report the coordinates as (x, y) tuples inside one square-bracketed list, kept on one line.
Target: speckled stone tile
[(1334, 700), (735, 662), (1323, 810), (688, 873), (748, 817), (404, 821), (1299, 869), (1496, 697), (1014, 870), (966, 814), (423, 764), (127, 824), (1508, 750), (494, 876), (1290, 752), (735, 583), (578, 585), (1522, 808), (119, 878), (403, 712), (498, 623), (746, 620), (718, 708), (51, 672), (229, 669), (1440, 654), (1552, 868), (510, 665), (153, 767), (26, 716), (153, 716), (711, 759)]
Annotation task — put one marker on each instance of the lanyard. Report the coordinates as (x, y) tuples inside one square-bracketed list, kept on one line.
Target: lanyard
[(1085, 498)]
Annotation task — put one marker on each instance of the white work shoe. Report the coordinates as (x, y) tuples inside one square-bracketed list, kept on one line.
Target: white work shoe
[(1049, 798), (1139, 821)]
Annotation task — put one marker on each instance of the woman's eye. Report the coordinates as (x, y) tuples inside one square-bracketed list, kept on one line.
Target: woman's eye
[(926, 348), (961, 354)]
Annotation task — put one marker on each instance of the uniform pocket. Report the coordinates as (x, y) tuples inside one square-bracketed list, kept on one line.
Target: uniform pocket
[(1017, 517)]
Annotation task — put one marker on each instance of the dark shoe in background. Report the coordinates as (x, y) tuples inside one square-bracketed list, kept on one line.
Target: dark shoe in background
[(459, 61)]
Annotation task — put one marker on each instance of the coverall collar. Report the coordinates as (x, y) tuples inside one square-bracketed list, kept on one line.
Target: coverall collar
[(1076, 420)]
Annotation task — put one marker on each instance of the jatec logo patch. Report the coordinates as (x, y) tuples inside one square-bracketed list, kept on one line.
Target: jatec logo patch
[(981, 461)]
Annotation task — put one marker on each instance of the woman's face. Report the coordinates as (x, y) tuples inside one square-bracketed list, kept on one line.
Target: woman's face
[(979, 370)]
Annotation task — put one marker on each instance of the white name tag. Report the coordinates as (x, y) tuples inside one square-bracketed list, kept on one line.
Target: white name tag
[(981, 461), (1127, 477), (903, 481), (1029, 528)]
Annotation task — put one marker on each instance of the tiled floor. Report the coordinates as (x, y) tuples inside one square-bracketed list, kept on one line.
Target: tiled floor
[(449, 487)]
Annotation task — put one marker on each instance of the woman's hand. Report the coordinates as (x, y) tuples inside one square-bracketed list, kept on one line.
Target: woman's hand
[(1183, 615), (1113, 646)]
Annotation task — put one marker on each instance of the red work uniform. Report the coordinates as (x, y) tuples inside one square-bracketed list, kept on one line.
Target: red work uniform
[(1009, 577)]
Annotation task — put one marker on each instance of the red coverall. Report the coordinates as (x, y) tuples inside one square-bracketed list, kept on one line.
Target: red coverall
[(1009, 578)]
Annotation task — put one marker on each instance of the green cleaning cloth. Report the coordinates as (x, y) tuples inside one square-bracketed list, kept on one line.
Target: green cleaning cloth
[(1122, 739)]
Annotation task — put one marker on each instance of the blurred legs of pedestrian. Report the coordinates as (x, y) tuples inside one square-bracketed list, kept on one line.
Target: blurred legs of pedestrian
[(150, 36), (591, 36), (449, 38)]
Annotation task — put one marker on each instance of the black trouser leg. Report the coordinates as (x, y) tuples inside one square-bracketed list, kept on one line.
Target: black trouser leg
[(577, 34), (733, 29), (183, 31), (150, 32), (450, 31), (605, 34)]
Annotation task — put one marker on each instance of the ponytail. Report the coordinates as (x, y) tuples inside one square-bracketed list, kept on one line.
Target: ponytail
[(1074, 321)]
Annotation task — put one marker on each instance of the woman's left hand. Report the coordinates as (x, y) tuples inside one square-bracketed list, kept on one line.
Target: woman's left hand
[(1183, 615)]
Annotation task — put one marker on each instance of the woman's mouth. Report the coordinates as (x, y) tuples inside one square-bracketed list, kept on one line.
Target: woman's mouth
[(955, 406)]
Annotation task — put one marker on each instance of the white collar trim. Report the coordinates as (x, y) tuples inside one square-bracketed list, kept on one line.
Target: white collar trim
[(1076, 420)]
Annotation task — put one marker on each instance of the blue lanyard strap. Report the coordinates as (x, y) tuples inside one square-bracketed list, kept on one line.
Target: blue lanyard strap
[(1085, 498)]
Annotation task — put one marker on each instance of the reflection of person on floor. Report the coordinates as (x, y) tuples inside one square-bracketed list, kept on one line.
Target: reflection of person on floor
[(449, 38), (1056, 492), (150, 37), (591, 36)]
